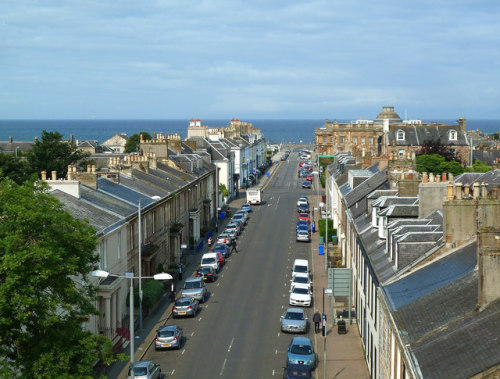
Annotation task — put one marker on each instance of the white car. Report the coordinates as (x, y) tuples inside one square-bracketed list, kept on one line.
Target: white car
[(300, 295), (302, 200), (244, 214), (300, 278)]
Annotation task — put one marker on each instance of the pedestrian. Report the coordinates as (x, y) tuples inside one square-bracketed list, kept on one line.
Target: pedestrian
[(209, 241), (314, 227), (172, 290), (180, 271), (317, 320), (233, 246)]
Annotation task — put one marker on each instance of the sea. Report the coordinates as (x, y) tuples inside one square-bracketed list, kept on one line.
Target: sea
[(274, 131)]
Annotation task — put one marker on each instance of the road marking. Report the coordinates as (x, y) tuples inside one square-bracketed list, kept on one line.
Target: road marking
[(276, 352), (278, 334), (218, 284), (192, 334), (223, 365), (199, 319), (173, 371), (206, 306), (273, 372), (230, 345), (183, 351)]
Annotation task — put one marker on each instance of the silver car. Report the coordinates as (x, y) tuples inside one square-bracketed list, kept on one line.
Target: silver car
[(303, 236), (145, 370), (185, 306), (168, 336), (195, 287), (294, 320)]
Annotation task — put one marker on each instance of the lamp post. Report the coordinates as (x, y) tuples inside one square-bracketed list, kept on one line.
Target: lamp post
[(140, 255), (130, 275)]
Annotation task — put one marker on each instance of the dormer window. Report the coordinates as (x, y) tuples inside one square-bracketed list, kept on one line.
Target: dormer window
[(452, 135), (400, 135)]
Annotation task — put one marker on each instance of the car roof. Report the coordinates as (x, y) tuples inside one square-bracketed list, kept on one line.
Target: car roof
[(142, 363), (301, 262), (301, 274), (301, 285), (170, 327), (301, 341), (194, 279), (297, 310)]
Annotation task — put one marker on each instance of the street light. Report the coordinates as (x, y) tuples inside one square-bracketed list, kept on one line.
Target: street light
[(140, 255), (130, 275)]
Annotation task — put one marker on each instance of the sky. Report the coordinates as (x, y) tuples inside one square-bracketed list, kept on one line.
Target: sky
[(259, 59)]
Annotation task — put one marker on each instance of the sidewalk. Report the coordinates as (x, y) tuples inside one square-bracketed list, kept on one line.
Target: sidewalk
[(344, 352)]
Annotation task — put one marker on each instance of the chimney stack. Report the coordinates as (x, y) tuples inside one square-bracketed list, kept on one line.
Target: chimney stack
[(54, 175), (475, 190), (44, 175)]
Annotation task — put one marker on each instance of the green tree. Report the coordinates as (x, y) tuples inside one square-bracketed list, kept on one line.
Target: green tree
[(51, 153), (223, 190), (479, 166), (45, 258), (437, 164), (495, 136), (18, 169), (134, 142)]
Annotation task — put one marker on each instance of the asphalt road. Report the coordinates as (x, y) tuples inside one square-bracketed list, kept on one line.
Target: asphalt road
[(237, 332)]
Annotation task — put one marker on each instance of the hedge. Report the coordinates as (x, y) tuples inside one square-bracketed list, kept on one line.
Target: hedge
[(152, 291), (331, 230)]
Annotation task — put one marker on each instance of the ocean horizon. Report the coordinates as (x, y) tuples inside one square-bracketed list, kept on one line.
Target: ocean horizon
[(274, 130)]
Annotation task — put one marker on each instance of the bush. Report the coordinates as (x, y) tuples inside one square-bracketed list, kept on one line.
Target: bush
[(330, 230), (152, 291)]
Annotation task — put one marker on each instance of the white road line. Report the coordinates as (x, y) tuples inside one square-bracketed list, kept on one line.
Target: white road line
[(276, 352), (218, 284), (273, 372), (223, 365), (230, 345), (192, 334), (183, 351), (278, 334), (206, 306), (199, 319), (172, 373)]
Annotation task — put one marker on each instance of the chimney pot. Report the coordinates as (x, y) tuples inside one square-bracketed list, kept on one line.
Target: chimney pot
[(443, 177), (425, 178), (431, 178), (458, 190), (475, 190), (54, 175), (449, 194), (88, 168), (44, 175)]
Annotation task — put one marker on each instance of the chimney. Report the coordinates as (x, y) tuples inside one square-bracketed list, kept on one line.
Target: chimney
[(88, 168), (44, 175), (450, 177), (449, 194), (69, 175), (431, 178), (443, 177), (425, 178), (475, 190), (458, 190), (484, 190), (488, 260), (54, 175)]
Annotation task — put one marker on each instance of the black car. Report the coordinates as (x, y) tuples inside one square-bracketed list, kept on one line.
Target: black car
[(303, 208), (207, 273), (295, 371), (306, 184)]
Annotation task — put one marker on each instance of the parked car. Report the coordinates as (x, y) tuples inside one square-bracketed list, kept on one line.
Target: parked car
[(246, 207), (195, 287), (145, 370), (303, 226), (168, 336), (309, 177), (212, 260), (303, 236), (304, 216), (300, 351), (239, 217), (306, 184), (300, 295), (305, 223), (242, 213), (301, 278), (222, 248), (231, 232), (294, 320), (300, 266), (235, 226), (207, 273), (294, 371), (303, 208), (185, 306), (302, 200), (224, 238)]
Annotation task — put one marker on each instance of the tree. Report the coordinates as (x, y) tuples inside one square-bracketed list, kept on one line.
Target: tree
[(134, 142), (479, 166), (437, 164), (436, 147), (17, 169), (51, 153), (495, 136), (45, 258)]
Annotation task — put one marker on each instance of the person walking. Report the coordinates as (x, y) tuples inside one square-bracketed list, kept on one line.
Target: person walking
[(180, 271), (317, 320), (209, 241), (233, 246), (172, 290)]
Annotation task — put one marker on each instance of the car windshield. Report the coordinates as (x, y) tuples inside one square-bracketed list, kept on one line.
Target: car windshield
[(207, 261), (300, 268), (238, 217), (220, 246), (300, 279), (303, 233), (191, 285), (223, 236), (303, 227), (300, 291), (204, 270), (182, 303), (139, 371), (166, 333), (301, 349), (294, 316)]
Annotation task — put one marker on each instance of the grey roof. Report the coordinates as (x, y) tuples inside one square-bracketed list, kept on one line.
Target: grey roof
[(491, 178), (486, 156), (107, 201), (81, 209), (435, 309), (417, 135), (387, 201), (10, 147), (400, 210), (120, 191), (379, 193), (375, 182)]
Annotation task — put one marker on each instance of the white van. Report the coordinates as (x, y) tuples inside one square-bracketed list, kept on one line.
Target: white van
[(300, 266), (210, 259)]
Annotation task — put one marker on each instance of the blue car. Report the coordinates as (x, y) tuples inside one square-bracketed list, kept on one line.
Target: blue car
[(304, 227), (297, 371), (222, 248), (306, 184), (300, 351), (246, 207)]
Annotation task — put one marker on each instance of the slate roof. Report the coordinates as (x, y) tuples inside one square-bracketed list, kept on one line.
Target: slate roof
[(400, 210), (491, 178), (10, 147), (375, 182), (486, 156), (417, 135), (435, 311), (107, 201)]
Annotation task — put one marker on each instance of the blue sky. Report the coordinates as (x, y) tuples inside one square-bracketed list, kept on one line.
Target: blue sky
[(75, 59)]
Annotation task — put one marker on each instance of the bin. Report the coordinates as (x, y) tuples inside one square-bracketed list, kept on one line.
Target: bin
[(341, 327), (222, 215), (321, 250)]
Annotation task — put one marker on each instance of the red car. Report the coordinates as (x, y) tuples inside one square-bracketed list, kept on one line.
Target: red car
[(309, 178), (301, 163), (304, 216)]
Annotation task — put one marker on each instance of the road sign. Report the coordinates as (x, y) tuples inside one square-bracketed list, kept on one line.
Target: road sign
[(328, 290), (339, 280)]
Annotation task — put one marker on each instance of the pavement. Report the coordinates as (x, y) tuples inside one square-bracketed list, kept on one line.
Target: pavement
[(344, 352)]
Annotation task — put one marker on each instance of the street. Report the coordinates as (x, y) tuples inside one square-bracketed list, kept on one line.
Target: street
[(237, 332)]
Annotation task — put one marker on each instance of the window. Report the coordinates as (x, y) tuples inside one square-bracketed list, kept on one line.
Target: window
[(401, 154), (342, 139), (400, 135), (355, 140), (370, 140), (363, 140), (104, 253), (331, 139), (452, 135), (324, 139), (453, 152)]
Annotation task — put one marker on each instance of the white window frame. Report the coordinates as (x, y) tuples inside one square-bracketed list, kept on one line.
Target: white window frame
[(452, 135), (400, 135)]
